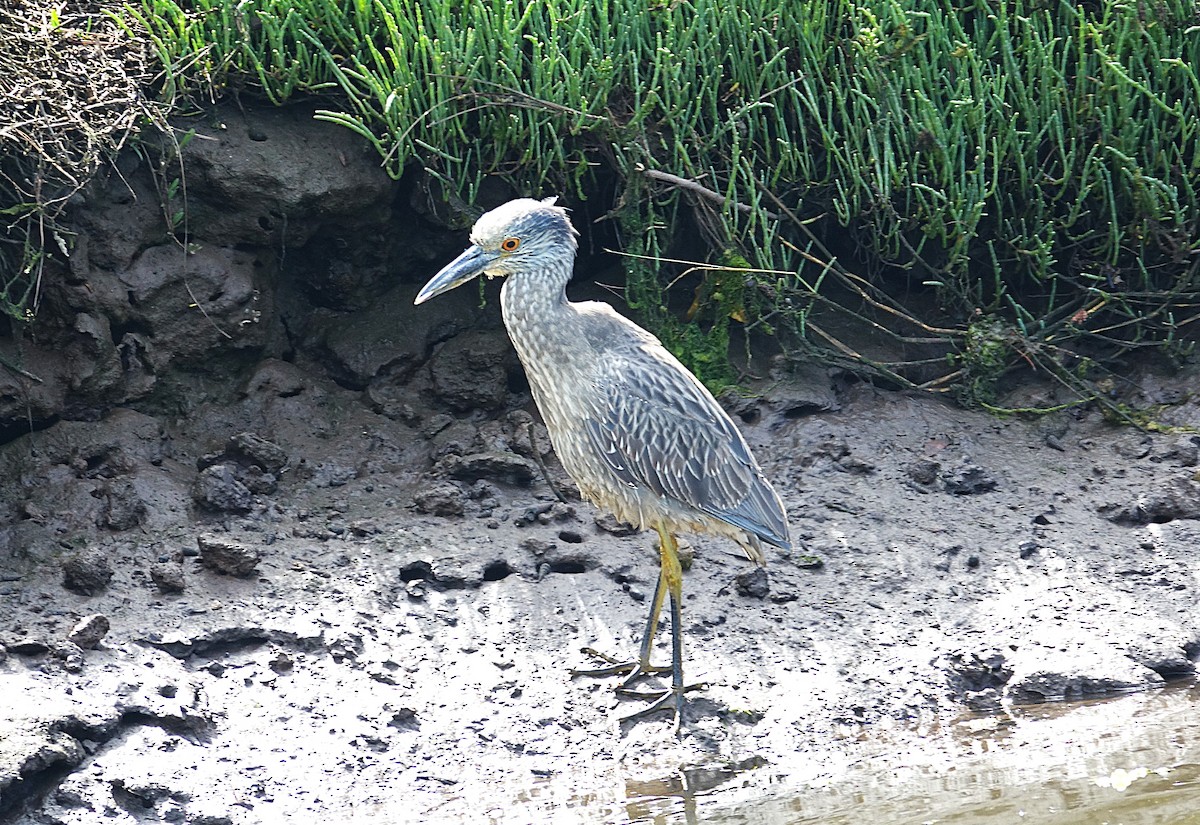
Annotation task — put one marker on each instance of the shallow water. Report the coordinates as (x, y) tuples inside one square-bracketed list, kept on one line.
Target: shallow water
[(1132, 760)]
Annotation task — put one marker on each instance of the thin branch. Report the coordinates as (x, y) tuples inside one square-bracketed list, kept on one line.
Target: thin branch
[(24, 373), (696, 189)]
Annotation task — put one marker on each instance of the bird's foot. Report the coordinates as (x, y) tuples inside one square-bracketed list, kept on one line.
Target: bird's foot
[(636, 669), (670, 700)]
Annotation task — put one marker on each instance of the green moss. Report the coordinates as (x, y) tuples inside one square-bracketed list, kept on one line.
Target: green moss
[(1147, 418), (984, 359)]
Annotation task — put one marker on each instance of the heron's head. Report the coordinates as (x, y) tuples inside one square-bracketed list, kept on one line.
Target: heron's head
[(523, 235)]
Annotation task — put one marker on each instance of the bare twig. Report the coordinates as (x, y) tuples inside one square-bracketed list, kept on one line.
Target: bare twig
[(696, 189), (537, 456), (23, 373)]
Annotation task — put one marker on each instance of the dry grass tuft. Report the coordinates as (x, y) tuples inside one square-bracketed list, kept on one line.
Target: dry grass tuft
[(71, 93)]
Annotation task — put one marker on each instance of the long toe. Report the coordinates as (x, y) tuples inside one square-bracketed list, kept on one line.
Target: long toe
[(640, 671), (670, 701), (611, 670), (660, 692), (636, 669)]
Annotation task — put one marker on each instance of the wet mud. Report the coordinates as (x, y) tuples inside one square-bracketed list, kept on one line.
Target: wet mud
[(334, 648)]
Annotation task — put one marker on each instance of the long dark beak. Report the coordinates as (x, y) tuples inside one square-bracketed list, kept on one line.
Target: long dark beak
[(466, 266)]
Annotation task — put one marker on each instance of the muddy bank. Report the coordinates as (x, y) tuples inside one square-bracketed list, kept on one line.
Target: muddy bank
[(424, 655), (334, 576)]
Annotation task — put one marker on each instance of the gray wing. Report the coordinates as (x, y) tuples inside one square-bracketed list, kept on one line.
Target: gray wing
[(656, 427)]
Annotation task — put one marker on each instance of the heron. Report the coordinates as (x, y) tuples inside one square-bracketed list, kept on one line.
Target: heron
[(639, 434)]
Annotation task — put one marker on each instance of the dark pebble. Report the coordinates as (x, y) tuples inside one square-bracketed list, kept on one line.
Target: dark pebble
[(226, 556), (89, 631), (168, 576), (753, 583), (87, 572)]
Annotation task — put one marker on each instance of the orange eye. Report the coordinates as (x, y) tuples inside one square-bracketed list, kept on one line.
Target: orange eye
[(510, 244)]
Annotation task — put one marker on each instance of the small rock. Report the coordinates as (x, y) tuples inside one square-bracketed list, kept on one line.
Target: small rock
[(1133, 447), (28, 647), (1184, 451), (506, 467), (1028, 548), (404, 719), (924, 472), (1178, 498), (281, 662), (123, 506), (257, 450), (89, 631), (87, 572), (70, 655), (227, 556), (609, 524), (753, 583), (217, 488), (442, 498), (536, 546), (168, 575), (967, 480), (531, 514)]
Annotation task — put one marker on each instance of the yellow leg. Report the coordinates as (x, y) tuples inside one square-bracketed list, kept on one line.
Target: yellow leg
[(671, 574), (642, 667), (670, 583)]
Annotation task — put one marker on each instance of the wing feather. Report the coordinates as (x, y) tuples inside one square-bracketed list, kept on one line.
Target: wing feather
[(657, 428)]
